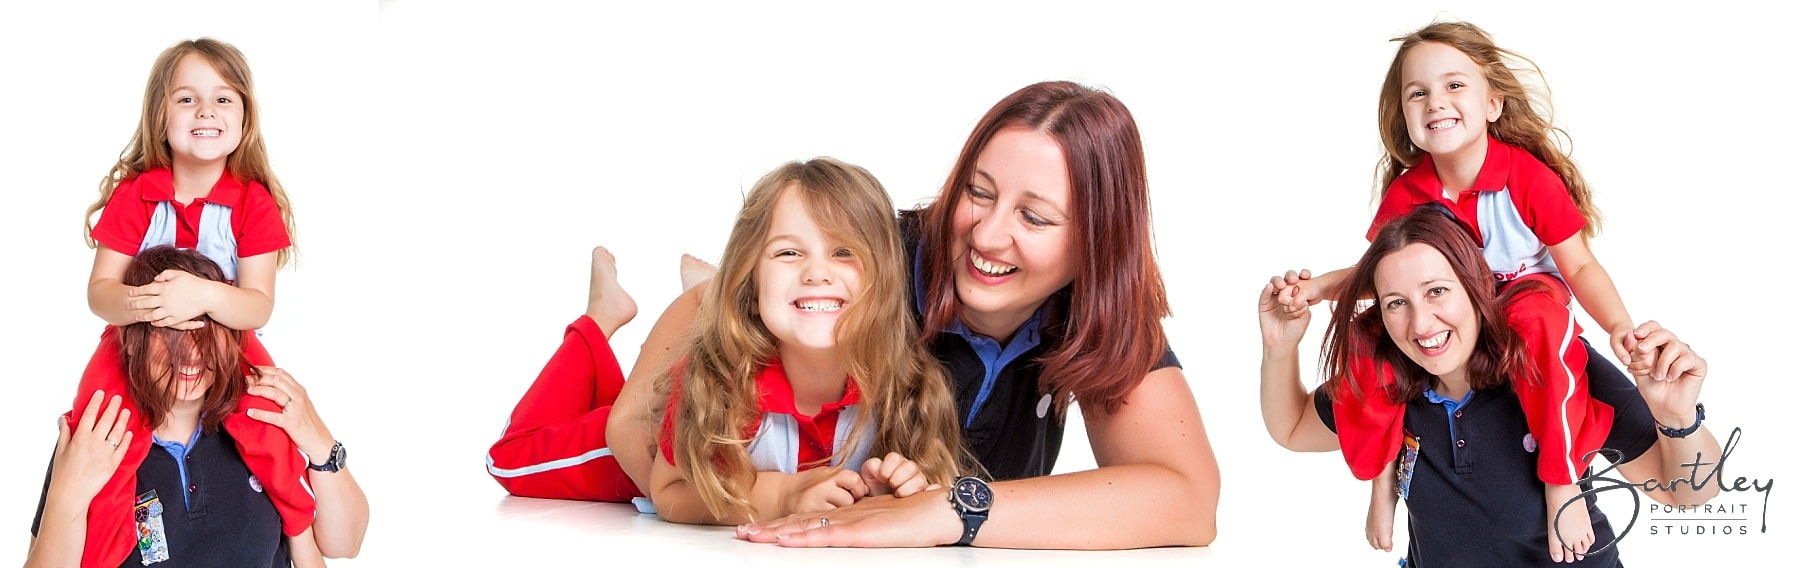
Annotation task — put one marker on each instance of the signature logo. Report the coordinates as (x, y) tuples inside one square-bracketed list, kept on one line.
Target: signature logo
[(1693, 482)]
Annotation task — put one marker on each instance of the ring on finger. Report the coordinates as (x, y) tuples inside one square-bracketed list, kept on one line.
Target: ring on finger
[(114, 444), (824, 522), (284, 405)]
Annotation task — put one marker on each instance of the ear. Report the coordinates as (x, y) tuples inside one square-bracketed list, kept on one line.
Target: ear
[(1496, 104)]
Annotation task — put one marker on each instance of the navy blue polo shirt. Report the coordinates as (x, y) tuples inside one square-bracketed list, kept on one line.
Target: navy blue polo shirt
[(227, 520), (1009, 425), (1475, 496)]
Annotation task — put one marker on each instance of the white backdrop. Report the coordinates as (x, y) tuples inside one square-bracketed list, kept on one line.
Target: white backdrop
[(451, 164)]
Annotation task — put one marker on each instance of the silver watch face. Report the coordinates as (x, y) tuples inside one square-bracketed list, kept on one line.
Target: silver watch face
[(337, 456), (973, 495)]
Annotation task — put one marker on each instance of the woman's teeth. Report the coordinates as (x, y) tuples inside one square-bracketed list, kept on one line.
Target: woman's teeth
[(1435, 341), (991, 268)]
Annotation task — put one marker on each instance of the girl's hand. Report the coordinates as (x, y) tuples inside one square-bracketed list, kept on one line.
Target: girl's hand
[(895, 475), (1623, 343), (1669, 374), (1294, 291), (87, 455), (297, 415), (821, 489), (1281, 327), (174, 299)]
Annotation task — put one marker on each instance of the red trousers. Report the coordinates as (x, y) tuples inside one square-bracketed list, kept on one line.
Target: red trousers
[(1565, 422), (266, 449), (554, 445)]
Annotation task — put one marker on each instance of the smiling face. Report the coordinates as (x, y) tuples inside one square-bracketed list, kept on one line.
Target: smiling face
[(176, 365), (805, 279), (205, 114), (1446, 101), (1426, 310), (1013, 220)]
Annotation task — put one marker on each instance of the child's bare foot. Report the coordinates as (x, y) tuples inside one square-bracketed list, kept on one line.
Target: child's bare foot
[(694, 271), (1573, 533), (608, 303)]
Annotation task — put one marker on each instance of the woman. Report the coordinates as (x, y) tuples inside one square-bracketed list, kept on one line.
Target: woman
[(1036, 281), (1437, 321), (193, 504)]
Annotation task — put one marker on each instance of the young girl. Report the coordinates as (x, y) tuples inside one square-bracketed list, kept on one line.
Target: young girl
[(1461, 133), (194, 176), (803, 389)]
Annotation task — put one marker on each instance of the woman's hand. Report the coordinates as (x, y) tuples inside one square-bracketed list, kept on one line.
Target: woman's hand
[(922, 520), (894, 474), (297, 416), (87, 455), (1668, 373), (1281, 327)]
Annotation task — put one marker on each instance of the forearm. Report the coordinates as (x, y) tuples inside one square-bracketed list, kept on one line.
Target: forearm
[(1328, 283), (1283, 399), (1675, 459), (108, 299), (1593, 287), (630, 430), (238, 308), (62, 532), (1123, 506), (343, 513)]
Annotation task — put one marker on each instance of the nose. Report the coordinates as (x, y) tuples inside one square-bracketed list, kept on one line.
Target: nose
[(1421, 317), (987, 230), (1434, 101), (205, 109), (817, 272)]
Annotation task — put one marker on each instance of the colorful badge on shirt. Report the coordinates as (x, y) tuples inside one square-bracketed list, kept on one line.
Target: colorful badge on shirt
[(152, 542), (1409, 457)]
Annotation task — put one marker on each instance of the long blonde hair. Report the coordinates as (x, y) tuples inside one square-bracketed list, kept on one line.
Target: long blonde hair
[(1526, 118), (149, 147), (905, 394)]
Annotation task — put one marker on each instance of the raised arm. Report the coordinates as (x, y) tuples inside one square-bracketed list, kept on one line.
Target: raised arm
[(1594, 288), (343, 511), (87, 454), (1287, 408), (1669, 376)]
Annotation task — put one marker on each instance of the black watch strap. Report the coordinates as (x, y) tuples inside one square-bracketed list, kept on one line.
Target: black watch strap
[(333, 462), (1699, 416), (971, 525)]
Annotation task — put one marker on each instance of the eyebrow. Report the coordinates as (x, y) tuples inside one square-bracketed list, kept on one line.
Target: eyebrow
[(1029, 194)]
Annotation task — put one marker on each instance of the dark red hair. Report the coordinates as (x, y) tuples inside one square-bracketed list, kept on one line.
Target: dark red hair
[(221, 349), (1108, 321), (1358, 334)]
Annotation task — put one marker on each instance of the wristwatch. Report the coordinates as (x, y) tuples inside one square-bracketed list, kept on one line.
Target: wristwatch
[(1699, 416), (971, 497), (336, 462)]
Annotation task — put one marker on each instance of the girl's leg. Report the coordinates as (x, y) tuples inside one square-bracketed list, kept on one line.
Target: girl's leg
[(268, 452), (1369, 426), (555, 445), (1565, 421)]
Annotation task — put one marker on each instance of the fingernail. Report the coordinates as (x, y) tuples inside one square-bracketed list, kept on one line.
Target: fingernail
[(781, 536), (752, 530)]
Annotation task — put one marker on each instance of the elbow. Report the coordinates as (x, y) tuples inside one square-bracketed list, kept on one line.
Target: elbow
[(1201, 523), (343, 546)]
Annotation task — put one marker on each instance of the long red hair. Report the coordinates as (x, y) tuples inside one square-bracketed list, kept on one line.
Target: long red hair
[(1358, 333), (1108, 321), (150, 380)]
